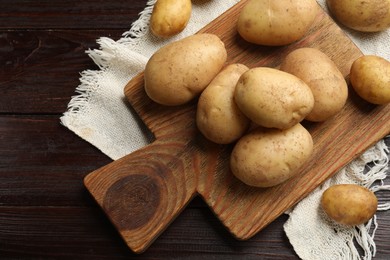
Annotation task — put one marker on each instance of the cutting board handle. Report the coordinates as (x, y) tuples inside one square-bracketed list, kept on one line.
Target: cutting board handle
[(143, 192)]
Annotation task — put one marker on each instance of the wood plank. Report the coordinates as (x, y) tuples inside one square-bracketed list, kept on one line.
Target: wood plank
[(50, 232), (43, 163), (85, 233), (58, 14), (242, 209), (39, 70)]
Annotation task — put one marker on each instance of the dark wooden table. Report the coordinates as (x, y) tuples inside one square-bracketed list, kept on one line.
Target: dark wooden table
[(45, 210)]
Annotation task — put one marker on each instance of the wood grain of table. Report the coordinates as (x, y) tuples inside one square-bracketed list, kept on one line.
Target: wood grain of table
[(45, 210)]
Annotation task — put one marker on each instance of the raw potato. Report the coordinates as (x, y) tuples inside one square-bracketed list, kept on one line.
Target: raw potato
[(320, 73), (267, 157), (273, 98), (276, 23), (370, 78), (181, 70), (349, 204), (364, 16), (170, 17), (218, 118)]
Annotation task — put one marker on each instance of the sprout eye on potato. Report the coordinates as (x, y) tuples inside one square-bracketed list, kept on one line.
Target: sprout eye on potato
[(349, 204), (276, 23)]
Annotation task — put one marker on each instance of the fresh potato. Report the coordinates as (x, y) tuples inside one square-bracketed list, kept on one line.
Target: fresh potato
[(320, 73), (181, 70), (349, 204), (276, 23), (364, 16), (370, 78), (266, 157), (170, 17), (218, 118), (273, 98)]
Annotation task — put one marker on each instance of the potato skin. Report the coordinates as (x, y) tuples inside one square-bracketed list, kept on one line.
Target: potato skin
[(370, 78), (217, 117), (364, 16), (273, 98), (276, 23), (181, 70), (170, 17), (320, 73), (349, 204), (266, 157)]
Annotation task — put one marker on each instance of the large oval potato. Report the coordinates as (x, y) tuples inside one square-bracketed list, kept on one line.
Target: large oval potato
[(266, 157), (349, 204), (370, 78), (170, 17), (273, 98), (181, 70), (276, 23), (217, 117), (364, 16), (320, 73)]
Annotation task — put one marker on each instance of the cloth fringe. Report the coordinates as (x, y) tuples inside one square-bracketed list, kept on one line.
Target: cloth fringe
[(89, 79), (324, 237)]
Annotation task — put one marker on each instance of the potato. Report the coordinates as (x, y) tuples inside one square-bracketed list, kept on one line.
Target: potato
[(276, 23), (170, 17), (266, 157), (370, 78), (364, 16), (181, 70), (218, 118), (320, 73), (349, 204), (273, 98)]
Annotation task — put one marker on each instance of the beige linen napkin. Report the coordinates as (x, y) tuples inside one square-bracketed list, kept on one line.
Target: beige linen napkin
[(100, 114)]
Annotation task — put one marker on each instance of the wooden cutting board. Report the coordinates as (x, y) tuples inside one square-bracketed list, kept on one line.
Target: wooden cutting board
[(144, 191)]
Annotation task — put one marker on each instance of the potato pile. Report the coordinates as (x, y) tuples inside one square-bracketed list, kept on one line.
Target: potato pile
[(260, 110)]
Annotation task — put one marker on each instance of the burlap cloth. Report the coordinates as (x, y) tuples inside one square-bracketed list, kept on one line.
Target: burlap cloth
[(100, 114)]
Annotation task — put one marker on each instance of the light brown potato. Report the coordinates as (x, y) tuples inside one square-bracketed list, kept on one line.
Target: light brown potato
[(181, 70), (267, 157), (276, 23), (364, 16), (170, 17), (370, 78), (349, 204), (320, 73), (273, 98), (217, 117)]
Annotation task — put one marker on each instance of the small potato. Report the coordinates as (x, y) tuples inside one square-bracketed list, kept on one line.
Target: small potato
[(218, 118), (273, 98), (349, 204), (364, 16), (276, 23), (181, 70), (320, 73), (267, 157), (370, 78), (170, 17)]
